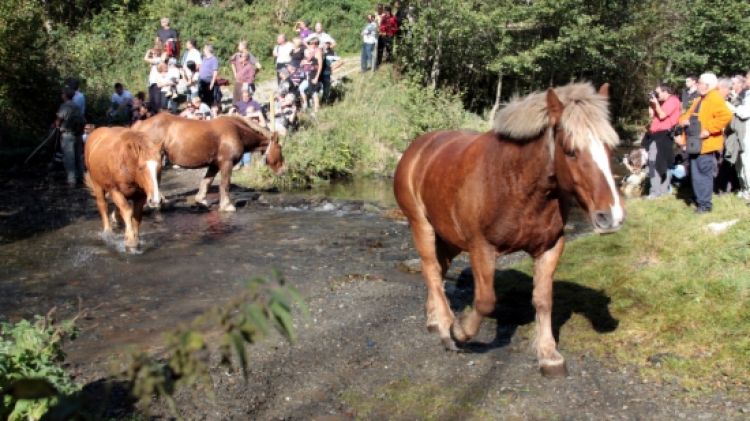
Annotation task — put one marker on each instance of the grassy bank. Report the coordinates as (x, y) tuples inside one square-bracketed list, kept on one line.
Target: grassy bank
[(680, 294), (365, 132)]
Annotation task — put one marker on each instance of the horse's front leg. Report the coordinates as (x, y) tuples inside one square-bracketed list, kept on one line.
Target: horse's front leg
[(483, 267), (131, 235), (200, 197), (138, 203), (225, 203), (551, 362)]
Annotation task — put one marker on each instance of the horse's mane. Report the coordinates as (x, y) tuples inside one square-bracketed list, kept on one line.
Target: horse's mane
[(585, 114), (245, 123)]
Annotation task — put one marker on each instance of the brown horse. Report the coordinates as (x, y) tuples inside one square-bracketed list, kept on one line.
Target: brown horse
[(507, 190), (217, 144), (127, 165)]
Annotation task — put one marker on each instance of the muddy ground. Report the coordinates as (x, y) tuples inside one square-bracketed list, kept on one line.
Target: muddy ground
[(363, 353)]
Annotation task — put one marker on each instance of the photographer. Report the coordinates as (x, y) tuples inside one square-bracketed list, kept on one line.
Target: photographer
[(664, 110)]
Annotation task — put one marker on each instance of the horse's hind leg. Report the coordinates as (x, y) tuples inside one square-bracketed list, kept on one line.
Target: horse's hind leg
[(200, 197), (101, 205), (551, 363), (434, 265), (225, 203), (483, 268)]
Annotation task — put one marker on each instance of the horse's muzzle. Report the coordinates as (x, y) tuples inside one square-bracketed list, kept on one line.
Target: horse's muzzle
[(604, 222), (154, 204)]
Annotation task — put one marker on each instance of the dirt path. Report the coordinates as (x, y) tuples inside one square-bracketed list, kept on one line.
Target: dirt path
[(364, 353)]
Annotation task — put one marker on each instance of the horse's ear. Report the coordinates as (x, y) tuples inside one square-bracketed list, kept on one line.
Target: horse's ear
[(554, 107), (604, 90)]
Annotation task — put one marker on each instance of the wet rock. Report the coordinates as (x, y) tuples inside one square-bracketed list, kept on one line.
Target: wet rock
[(370, 208), (410, 266), (326, 207)]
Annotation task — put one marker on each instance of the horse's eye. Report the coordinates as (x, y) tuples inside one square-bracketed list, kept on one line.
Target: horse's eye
[(570, 153)]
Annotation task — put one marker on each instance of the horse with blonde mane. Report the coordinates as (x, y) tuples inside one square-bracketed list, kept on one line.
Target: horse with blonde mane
[(508, 190), (217, 144)]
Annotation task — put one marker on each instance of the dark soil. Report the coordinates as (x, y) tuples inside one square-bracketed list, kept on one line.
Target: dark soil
[(364, 351)]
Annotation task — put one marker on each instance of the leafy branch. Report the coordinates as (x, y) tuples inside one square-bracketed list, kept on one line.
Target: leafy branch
[(262, 307)]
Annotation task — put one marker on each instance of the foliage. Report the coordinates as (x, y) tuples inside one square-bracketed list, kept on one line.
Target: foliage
[(31, 374), (472, 46), (186, 360), (28, 93), (365, 132), (680, 292)]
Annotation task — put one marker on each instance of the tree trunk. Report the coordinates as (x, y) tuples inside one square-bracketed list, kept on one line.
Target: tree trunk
[(435, 73), (498, 94)]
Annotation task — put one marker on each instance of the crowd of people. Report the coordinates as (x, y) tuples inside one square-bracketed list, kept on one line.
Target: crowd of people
[(699, 139), (185, 80)]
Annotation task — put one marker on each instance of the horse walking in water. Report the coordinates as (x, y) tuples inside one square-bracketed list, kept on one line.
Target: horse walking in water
[(127, 165), (217, 144), (507, 190)]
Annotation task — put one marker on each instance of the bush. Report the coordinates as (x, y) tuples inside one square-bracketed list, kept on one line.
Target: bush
[(32, 378), (366, 132)]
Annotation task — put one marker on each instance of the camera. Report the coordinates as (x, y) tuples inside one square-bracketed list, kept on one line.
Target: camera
[(651, 95)]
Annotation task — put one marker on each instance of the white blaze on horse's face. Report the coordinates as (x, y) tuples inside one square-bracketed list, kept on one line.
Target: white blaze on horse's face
[(155, 198), (601, 158)]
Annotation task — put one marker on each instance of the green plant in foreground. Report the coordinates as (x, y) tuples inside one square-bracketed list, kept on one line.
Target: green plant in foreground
[(225, 329), (32, 378)]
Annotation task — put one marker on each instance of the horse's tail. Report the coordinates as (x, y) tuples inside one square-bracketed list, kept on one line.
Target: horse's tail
[(89, 183)]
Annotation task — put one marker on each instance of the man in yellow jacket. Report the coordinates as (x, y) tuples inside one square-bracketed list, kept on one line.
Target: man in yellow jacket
[(713, 115)]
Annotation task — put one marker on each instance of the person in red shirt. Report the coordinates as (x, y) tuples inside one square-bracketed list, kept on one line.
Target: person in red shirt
[(388, 29), (664, 110)]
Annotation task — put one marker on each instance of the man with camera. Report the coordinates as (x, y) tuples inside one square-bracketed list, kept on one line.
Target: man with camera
[(705, 138), (664, 110)]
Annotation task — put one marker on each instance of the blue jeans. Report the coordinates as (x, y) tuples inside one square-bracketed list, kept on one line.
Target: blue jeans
[(247, 157), (367, 56), (703, 169)]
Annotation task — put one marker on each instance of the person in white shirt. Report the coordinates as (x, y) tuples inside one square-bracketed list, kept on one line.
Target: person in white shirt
[(283, 53), (322, 36), (121, 103), (191, 54)]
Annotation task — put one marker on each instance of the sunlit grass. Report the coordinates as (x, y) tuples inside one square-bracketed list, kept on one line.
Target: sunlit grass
[(678, 291)]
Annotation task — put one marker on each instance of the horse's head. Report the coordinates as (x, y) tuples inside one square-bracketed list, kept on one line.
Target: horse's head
[(583, 142), (272, 156), (149, 156)]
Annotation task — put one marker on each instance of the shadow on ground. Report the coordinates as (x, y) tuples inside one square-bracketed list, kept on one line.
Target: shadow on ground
[(513, 289)]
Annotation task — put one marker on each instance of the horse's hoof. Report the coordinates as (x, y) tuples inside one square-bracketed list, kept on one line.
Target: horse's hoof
[(449, 345), (457, 332), (202, 202), (228, 208), (556, 369)]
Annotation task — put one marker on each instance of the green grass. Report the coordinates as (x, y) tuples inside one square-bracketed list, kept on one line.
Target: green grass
[(365, 132), (675, 288)]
